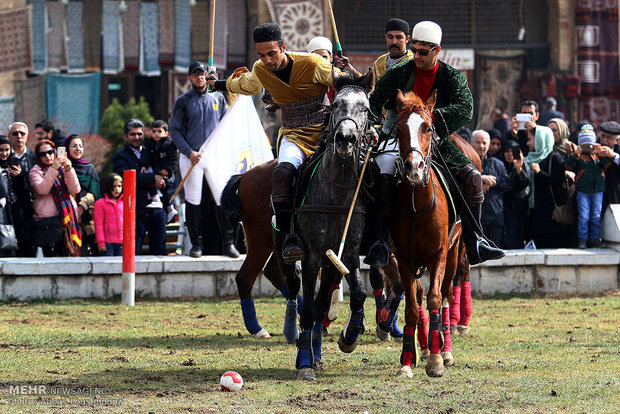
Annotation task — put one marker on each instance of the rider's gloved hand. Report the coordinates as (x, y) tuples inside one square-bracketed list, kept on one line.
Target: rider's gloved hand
[(212, 76), (372, 138)]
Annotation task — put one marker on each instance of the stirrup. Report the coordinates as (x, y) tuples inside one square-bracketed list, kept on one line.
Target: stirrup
[(375, 254), (292, 249)]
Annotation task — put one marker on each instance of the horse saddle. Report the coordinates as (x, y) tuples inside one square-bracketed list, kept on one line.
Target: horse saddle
[(449, 188)]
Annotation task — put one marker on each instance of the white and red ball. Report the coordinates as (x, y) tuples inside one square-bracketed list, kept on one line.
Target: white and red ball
[(231, 381)]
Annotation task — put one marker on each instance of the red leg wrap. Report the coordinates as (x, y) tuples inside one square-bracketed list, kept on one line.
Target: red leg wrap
[(407, 356), (422, 329), (435, 345), (466, 308), (326, 322), (445, 329), (455, 305)]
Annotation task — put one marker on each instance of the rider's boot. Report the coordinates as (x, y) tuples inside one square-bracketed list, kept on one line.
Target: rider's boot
[(282, 197), (478, 248), (193, 224), (379, 253)]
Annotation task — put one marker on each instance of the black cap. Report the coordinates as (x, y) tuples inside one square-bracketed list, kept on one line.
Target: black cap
[(397, 24), (611, 127), (196, 66), (267, 32), (511, 144)]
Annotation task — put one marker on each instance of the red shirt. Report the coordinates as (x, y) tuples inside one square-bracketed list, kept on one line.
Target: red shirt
[(423, 84)]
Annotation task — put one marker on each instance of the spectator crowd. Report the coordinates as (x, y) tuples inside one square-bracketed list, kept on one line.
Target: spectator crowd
[(545, 187), (53, 199)]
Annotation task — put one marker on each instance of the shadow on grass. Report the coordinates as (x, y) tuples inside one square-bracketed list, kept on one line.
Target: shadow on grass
[(170, 342), (172, 380)]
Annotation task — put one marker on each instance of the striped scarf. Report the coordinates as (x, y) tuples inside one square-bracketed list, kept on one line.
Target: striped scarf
[(68, 215)]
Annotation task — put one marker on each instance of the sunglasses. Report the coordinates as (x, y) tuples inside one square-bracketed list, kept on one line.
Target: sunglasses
[(46, 153), (16, 133), (422, 52)]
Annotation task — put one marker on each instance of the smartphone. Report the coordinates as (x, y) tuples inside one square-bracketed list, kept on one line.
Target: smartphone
[(516, 152), (522, 119), (62, 152)]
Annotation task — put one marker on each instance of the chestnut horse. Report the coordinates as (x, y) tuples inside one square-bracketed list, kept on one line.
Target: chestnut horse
[(423, 234)]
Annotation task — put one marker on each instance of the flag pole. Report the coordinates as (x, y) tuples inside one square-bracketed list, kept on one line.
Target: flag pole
[(210, 68), (331, 15)]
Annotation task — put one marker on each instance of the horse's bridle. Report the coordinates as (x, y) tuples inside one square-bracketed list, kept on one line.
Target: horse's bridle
[(331, 127), (426, 173)]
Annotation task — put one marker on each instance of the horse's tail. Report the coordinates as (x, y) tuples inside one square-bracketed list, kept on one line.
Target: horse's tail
[(230, 199)]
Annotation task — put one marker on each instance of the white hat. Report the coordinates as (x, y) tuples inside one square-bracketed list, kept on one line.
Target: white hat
[(427, 31), (319, 42)]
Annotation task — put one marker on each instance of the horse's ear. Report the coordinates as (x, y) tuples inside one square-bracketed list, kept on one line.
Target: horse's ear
[(335, 78), (430, 102), (400, 100), (369, 80)]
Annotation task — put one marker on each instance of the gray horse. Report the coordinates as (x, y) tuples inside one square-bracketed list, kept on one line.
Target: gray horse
[(321, 223)]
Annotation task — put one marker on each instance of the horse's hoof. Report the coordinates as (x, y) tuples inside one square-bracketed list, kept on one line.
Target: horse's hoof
[(448, 359), (382, 335), (453, 330), (397, 338), (346, 348), (434, 366), (424, 354), (405, 372), (463, 329), (317, 366), (306, 374), (262, 334)]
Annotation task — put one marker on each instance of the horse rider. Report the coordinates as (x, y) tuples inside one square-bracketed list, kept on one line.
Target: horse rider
[(298, 83), (396, 39), (453, 109)]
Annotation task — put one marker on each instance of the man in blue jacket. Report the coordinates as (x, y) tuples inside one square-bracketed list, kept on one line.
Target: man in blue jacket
[(151, 220)]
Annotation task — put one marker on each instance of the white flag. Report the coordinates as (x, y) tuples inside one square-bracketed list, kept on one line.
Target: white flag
[(237, 144)]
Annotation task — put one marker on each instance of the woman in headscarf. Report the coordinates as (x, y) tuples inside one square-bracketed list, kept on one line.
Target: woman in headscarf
[(54, 184), (560, 135), (547, 170), (89, 192)]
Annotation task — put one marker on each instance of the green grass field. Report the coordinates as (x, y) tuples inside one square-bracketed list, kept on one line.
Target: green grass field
[(533, 355)]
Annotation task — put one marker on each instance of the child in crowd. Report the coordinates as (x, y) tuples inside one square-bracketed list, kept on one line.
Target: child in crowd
[(108, 216), (160, 155), (589, 171)]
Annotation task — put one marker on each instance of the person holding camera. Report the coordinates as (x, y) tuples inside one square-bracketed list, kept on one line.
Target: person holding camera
[(21, 162), (547, 177), (589, 167), (515, 200)]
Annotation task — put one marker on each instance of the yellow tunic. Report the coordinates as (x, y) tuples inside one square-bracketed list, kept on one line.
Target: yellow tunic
[(379, 68), (310, 77)]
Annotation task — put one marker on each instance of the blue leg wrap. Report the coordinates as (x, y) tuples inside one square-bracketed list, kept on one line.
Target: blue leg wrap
[(284, 291), (355, 327), (304, 350), (249, 315), (396, 332), (300, 302), (291, 333), (317, 339)]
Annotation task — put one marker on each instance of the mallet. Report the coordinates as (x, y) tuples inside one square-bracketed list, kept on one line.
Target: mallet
[(330, 253), (331, 15)]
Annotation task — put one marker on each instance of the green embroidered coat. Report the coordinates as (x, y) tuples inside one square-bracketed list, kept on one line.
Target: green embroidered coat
[(453, 109)]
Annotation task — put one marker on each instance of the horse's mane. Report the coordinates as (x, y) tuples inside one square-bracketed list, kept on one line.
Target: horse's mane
[(412, 102), (344, 80)]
